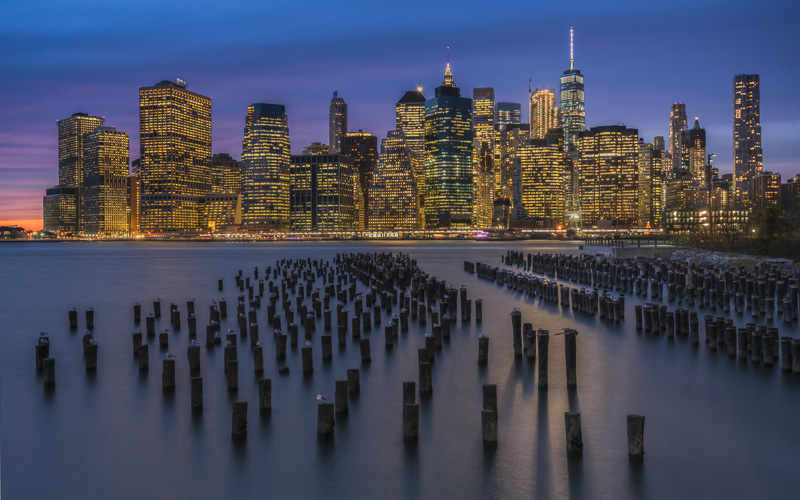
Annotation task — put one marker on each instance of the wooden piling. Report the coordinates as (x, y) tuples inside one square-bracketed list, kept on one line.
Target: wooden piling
[(489, 397), (265, 395), (193, 353), (308, 360), (489, 427), (42, 351), (341, 397), (137, 342), (425, 378), (49, 369), (73, 319), (258, 359), (239, 421), (571, 355), (354, 380), (197, 394), (516, 327), (409, 392), (483, 350), (168, 375), (572, 422), (543, 342), (232, 374), (144, 358), (325, 420), (635, 437), (365, 354), (90, 356)]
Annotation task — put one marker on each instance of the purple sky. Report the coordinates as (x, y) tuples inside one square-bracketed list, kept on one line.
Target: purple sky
[(91, 56)]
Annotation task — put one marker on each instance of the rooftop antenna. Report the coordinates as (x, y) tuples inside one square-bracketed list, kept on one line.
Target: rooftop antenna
[(571, 53), (448, 55)]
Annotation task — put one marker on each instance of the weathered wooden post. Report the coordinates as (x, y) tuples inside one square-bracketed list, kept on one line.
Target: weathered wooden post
[(90, 356), (308, 360), (572, 422), (483, 349), (489, 397), (353, 380), (42, 351), (478, 310), (571, 355), (193, 353), (239, 421), (144, 358), (265, 395), (516, 326), (150, 325), (425, 378), (73, 319), (489, 427), (635, 437), (232, 374), (137, 313), (49, 369), (325, 420), (90, 319), (168, 375), (341, 397), (365, 354), (543, 342), (327, 346), (409, 393)]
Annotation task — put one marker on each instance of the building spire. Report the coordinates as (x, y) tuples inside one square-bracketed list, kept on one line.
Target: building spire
[(696, 123), (448, 76), (571, 52)]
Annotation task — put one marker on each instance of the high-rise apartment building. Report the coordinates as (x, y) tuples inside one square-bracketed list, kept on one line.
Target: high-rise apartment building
[(544, 169), (71, 132), (393, 190), (511, 138), (677, 124), (337, 122), (59, 211), (175, 155), (410, 121), (321, 196), (544, 113), (265, 168), (134, 204), (362, 148), (509, 112), (317, 148), (693, 153), (448, 157), (104, 203), (651, 185), (766, 191), (608, 179), (483, 117), (483, 194), (226, 174), (573, 106), (748, 160)]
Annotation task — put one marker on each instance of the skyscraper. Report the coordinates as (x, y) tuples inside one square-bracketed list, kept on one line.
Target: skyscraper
[(484, 195), (544, 169), (677, 124), (410, 121), (483, 117), (175, 152), (71, 132), (59, 210), (337, 122), (573, 107), (509, 112), (105, 182), (362, 148), (544, 113), (448, 157), (226, 174), (321, 197), (608, 180), (748, 161), (265, 168), (393, 191), (651, 185), (693, 153)]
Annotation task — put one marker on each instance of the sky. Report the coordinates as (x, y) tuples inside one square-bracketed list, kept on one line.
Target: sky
[(58, 58)]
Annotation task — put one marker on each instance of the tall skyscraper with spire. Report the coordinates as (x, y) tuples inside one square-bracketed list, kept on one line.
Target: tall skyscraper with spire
[(448, 157), (677, 124), (573, 106), (337, 122), (266, 157), (175, 155), (748, 161)]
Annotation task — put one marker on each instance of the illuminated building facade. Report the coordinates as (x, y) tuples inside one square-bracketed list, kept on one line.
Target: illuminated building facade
[(317, 148), (410, 120), (483, 118), (362, 148), (573, 105), (693, 153), (509, 112), (448, 157), (651, 185), (483, 196), (766, 191), (226, 174), (337, 122), (265, 168), (511, 138), (677, 124), (748, 160), (719, 193), (393, 189), (134, 202), (104, 203), (544, 113), (790, 196), (321, 195), (59, 210), (221, 211), (681, 191), (71, 132), (544, 167), (608, 180), (175, 147)]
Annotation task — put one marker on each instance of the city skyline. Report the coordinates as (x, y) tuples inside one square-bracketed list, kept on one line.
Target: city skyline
[(96, 80)]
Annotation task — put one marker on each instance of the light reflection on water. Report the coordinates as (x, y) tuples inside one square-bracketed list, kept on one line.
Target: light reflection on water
[(715, 427)]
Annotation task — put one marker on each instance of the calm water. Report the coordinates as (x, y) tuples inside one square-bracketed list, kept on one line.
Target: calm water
[(715, 427)]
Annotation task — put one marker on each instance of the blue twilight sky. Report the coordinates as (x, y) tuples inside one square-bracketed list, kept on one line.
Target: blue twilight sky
[(59, 57)]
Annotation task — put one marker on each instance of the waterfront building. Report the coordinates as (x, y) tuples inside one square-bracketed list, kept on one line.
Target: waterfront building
[(134, 204), (410, 121), (573, 106), (362, 148), (59, 212), (748, 159), (544, 170), (544, 113), (265, 168), (705, 219), (321, 193), (175, 147), (677, 124), (507, 182), (681, 192), (608, 179), (483, 195), (766, 191), (483, 118), (226, 174), (393, 189), (448, 157), (221, 211), (650, 201), (337, 122), (509, 112), (104, 201), (71, 132)]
